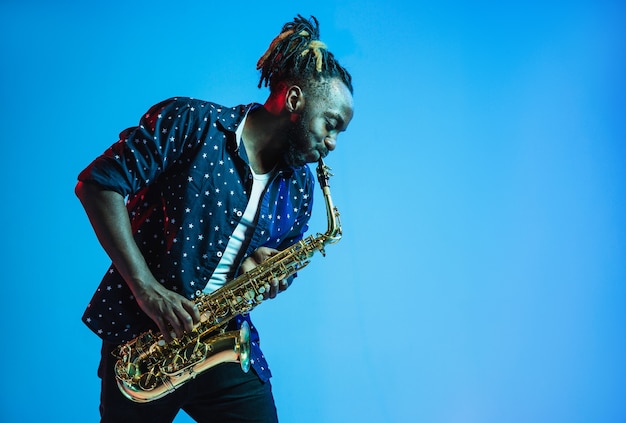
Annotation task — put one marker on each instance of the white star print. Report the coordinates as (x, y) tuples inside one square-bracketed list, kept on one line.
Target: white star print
[(178, 241)]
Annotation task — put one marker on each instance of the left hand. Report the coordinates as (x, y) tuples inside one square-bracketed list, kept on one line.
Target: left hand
[(259, 256)]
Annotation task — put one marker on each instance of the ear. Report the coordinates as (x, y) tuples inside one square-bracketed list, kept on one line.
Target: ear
[(294, 100)]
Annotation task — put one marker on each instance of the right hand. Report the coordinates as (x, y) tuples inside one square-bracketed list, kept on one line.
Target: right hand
[(172, 313)]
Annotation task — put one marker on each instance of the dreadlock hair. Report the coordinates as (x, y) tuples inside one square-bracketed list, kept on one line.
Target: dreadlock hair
[(297, 55)]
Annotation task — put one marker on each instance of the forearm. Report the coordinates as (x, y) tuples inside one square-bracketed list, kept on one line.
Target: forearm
[(108, 216), (107, 213)]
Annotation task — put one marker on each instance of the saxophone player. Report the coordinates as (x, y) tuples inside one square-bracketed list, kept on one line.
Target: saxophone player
[(197, 193)]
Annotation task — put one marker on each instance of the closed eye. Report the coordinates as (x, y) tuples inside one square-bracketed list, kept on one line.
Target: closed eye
[(334, 122)]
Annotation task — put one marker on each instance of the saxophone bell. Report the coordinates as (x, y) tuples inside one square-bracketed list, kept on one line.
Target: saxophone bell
[(243, 346), (155, 374)]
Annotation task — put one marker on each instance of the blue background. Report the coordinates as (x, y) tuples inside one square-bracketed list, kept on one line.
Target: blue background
[(481, 185)]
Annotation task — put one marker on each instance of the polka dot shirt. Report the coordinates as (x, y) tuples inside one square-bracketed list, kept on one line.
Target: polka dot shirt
[(187, 185)]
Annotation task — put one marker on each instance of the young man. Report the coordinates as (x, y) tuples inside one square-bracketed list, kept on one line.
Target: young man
[(198, 193)]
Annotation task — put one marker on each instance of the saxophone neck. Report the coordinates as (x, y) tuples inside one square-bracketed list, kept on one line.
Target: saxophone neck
[(333, 233)]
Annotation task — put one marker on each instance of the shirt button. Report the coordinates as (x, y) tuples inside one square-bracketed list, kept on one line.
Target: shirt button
[(239, 213)]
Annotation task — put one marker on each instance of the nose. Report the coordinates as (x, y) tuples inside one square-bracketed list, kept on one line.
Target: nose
[(330, 142)]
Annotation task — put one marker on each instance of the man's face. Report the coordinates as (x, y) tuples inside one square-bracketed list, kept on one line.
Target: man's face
[(326, 113)]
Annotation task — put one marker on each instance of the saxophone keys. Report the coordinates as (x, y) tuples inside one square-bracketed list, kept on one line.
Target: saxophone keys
[(250, 295)]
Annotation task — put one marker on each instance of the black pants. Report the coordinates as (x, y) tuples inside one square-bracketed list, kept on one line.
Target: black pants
[(222, 394)]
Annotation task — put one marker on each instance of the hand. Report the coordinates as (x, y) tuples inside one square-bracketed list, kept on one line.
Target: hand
[(173, 313), (259, 256)]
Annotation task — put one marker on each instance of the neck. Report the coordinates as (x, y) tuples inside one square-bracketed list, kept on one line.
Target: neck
[(263, 139)]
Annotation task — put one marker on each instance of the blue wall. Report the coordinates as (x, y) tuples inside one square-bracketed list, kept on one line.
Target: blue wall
[(481, 187)]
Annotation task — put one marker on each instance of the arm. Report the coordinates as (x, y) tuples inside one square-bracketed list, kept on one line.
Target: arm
[(108, 216)]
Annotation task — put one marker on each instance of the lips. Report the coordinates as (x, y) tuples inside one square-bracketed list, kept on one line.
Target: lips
[(323, 152)]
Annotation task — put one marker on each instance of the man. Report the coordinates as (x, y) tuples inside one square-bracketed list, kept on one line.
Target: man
[(198, 193)]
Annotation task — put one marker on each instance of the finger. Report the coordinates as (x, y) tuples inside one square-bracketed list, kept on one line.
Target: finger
[(193, 310), (274, 288), (265, 290), (180, 319), (248, 264), (176, 326), (263, 253), (186, 321), (269, 253), (284, 284), (196, 313), (164, 329)]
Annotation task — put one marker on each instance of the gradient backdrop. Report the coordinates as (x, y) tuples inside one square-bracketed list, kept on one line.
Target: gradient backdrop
[(481, 187)]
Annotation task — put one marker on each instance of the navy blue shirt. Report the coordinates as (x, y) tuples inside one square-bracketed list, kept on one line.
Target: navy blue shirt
[(187, 183)]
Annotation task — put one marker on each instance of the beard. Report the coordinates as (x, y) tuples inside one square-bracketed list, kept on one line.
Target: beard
[(298, 142)]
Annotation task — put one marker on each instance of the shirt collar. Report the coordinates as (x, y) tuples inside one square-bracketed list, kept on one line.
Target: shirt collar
[(230, 119)]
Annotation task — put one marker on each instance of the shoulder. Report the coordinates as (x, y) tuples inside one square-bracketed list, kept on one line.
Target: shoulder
[(192, 111), (184, 104)]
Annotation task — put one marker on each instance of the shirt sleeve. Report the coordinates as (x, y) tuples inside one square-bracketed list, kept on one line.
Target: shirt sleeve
[(144, 151)]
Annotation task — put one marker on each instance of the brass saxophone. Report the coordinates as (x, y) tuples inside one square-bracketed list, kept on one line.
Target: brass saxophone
[(149, 368)]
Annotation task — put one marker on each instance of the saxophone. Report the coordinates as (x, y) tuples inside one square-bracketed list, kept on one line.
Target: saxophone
[(148, 368)]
